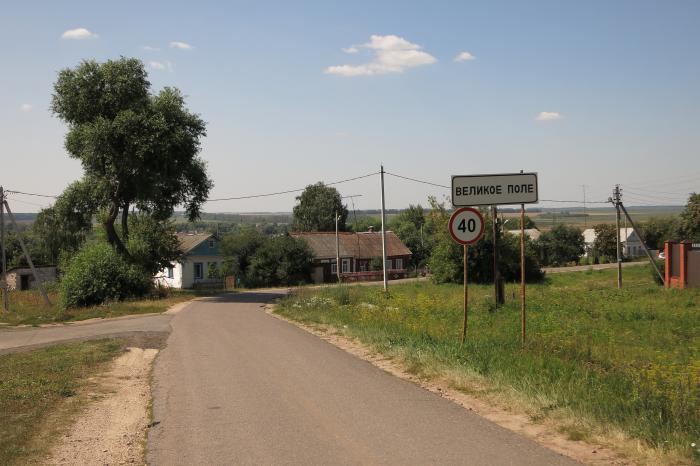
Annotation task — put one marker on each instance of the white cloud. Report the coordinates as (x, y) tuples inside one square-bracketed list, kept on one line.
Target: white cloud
[(464, 56), (392, 54), (26, 107), (79, 33), (148, 48), (160, 66), (548, 116), (181, 45)]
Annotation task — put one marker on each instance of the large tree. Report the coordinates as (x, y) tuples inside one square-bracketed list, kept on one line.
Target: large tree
[(690, 219), (605, 243), (316, 209), (137, 148), (561, 245)]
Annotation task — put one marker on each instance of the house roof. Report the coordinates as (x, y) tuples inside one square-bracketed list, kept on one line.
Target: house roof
[(532, 233), (189, 241), (359, 245)]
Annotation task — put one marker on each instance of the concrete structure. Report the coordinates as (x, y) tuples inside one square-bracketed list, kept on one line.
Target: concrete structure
[(631, 244), (682, 264), (21, 278), (201, 253), (357, 250)]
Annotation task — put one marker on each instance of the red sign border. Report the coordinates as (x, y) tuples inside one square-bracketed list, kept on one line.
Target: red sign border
[(454, 216)]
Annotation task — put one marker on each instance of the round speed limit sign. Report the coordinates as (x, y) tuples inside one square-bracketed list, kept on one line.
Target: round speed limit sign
[(466, 225)]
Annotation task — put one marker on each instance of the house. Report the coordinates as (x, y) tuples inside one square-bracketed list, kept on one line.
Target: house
[(531, 233), (201, 256), (357, 252), (631, 244), (22, 278)]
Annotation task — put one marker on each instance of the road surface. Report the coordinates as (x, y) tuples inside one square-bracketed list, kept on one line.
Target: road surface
[(583, 268), (237, 386)]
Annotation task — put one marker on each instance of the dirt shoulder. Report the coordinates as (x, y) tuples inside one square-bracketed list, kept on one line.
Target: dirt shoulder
[(546, 434), (112, 426)]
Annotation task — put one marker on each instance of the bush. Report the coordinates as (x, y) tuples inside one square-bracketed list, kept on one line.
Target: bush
[(282, 260), (97, 273)]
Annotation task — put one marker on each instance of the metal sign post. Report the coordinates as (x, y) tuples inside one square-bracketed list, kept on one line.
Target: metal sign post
[(466, 226), (493, 190)]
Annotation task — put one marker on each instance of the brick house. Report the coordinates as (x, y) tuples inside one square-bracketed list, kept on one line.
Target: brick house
[(22, 278), (357, 251)]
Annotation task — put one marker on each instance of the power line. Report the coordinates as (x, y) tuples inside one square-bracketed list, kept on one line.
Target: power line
[(288, 191), (418, 181), (31, 194)]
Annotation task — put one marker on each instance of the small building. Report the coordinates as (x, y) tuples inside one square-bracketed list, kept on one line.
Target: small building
[(532, 233), (631, 244), (22, 278), (357, 253), (201, 258)]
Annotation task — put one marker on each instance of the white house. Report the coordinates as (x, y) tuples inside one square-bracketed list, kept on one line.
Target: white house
[(631, 244), (201, 254)]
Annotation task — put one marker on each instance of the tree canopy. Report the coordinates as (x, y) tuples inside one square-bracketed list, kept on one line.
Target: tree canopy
[(316, 209), (690, 219), (561, 245), (605, 243), (136, 148)]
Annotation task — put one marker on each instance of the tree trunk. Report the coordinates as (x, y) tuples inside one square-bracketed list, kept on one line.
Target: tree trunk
[(125, 222), (112, 235)]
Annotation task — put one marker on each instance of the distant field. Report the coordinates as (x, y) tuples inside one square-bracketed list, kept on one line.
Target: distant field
[(547, 219)]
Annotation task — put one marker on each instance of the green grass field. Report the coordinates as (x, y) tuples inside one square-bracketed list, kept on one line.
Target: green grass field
[(28, 308), (33, 386), (608, 359)]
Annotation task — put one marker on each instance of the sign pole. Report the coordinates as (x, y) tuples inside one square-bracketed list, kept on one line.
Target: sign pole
[(466, 295), (522, 275)]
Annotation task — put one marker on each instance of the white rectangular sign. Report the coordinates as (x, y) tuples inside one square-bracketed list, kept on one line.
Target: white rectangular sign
[(500, 189)]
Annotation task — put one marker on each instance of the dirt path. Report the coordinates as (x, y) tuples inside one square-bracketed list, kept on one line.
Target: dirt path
[(111, 430)]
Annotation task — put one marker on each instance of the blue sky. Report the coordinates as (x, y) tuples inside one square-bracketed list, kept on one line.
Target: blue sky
[(618, 82)]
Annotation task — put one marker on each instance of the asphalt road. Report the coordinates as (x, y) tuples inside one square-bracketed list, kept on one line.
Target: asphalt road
[(237, 386), (21, 338)]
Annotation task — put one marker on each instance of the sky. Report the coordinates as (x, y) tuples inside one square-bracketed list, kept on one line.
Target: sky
[(583, 93)]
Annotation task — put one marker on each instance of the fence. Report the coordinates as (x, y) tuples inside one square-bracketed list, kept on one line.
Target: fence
[(682, 264)]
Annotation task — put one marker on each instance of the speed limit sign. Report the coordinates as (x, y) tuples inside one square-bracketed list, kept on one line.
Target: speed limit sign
[(466, 225)]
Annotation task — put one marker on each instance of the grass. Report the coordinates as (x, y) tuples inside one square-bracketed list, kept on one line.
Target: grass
[(33, 387), (28, 308), (606, 360)]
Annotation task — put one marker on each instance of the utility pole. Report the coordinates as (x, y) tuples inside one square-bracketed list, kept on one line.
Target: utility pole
[(337, 247), (617, 200), (3, 277), (497, 283), (26, 254), (386, 283)]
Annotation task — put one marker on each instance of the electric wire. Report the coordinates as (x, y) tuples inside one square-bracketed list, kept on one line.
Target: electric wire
[(253, 196)]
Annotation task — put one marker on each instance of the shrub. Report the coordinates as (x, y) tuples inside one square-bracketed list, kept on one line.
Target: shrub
[(97, 273)]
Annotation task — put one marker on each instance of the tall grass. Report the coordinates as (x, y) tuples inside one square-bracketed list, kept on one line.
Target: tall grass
[(628, 358)]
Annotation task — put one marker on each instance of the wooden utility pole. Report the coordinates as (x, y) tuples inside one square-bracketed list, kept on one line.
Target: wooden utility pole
[(3, 277), (616, 201), (386, 282), (498, 288), (466, 294), (337, 247), (522, 275)]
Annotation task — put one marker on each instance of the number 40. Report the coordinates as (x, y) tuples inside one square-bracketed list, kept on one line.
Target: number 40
[(467, 225)]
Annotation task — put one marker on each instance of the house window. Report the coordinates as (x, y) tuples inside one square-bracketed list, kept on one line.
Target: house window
[(346, 265), (388, 264), (211, 244), (170, 272), (399, 263), (363, 266), (198, 271), (334, 267)]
